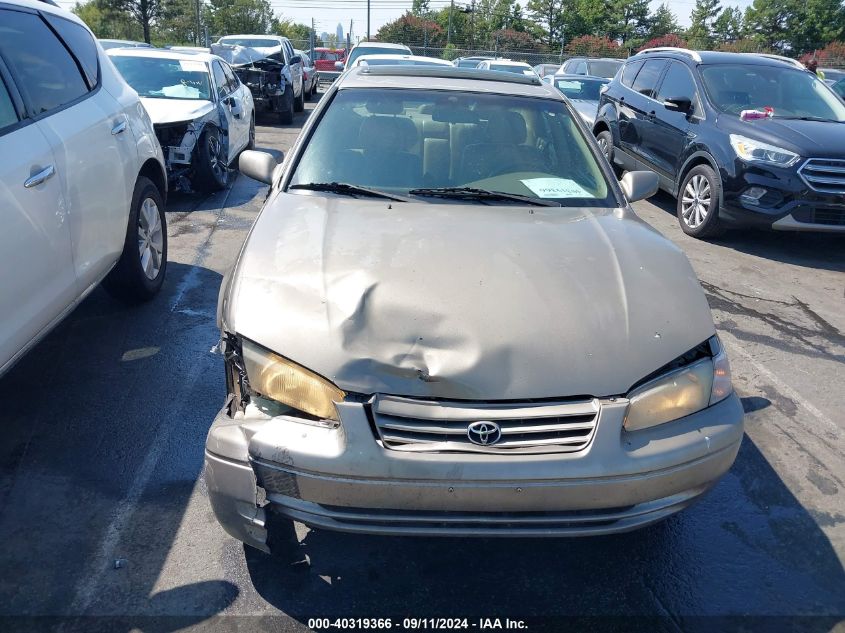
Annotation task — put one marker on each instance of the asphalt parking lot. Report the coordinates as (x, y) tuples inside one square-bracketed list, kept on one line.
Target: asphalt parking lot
[(104, 521)]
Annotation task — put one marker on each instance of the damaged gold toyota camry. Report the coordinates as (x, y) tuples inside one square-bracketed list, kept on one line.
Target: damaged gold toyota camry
[(448, 320)]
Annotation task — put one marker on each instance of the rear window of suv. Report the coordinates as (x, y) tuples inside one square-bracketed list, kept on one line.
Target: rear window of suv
[(646, 81)]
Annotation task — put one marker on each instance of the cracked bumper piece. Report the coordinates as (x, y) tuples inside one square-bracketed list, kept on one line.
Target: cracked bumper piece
[(258, 467)]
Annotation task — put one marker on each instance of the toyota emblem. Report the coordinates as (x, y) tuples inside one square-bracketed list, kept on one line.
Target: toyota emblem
[(484, 433)]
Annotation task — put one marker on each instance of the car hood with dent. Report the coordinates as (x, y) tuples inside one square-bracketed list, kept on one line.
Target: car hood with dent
[(163, 111), (464, 301)]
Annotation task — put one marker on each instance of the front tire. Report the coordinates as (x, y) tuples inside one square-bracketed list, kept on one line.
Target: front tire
[(299, 102), (212, 171), (698, 203), (286, 116), (251, 143), (605, 142), (139, 273)]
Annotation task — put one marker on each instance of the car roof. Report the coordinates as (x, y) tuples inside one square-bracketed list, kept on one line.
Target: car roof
[(47, 7), (581, 77), (416, 58), (718, 57), (446, 78), (596, 59), (381, 45), (278, 38), (508, 62), (161, 53)]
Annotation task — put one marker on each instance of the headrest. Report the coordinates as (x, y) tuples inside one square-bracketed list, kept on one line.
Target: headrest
[(507, 127), (392, 133), (384, 106)]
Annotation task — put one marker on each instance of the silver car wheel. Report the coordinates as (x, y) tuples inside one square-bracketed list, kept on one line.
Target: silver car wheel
[(695, 204), (215, 160), (603, 146), (150, 238)]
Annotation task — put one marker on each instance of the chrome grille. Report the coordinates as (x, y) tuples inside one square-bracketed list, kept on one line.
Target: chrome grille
[(436, 426), (826, 175)]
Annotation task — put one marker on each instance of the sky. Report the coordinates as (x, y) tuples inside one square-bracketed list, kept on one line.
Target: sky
[(327, 13)]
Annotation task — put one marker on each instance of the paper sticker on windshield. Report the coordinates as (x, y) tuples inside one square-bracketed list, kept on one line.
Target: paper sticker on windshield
[(192, 66), (556, 188)]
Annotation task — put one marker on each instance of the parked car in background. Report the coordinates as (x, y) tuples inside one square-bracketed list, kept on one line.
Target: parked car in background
[(678, 112), (107, 44), (82, 181), (189, 49), (546, 69), (371, 48), (832, 75), (399, 60), (379, 383), (324, 58), (507, 66), (595, 67), (582, 91), (271, 55), (310, 77), (470, 62), (203, 115)]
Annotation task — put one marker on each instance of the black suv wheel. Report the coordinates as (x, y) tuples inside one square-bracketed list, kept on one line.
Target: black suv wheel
[(698, 202)]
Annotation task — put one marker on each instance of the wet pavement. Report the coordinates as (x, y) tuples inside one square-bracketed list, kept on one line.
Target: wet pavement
[(105, 525)]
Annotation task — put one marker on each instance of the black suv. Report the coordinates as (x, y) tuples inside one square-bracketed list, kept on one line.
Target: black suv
[(677, 112)]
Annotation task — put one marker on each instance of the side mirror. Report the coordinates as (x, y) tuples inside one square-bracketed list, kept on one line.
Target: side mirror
[(678, 104), (296, 59), (338, 66), (636, 185), (258, 165)]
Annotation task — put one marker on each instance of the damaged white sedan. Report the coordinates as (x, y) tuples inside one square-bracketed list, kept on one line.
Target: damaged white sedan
[(448, 320), (203, 115)]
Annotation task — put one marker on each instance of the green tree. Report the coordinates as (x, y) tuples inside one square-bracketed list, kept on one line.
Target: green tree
[(511, 40), (548, 16), (239, 16), (291, 30), (412, 30), (420, 8), (766, 22), (106, 21), (700, 31), (178, 23), (144, 12), (628, 20), (814, 23), (728, 27), (663, 22)]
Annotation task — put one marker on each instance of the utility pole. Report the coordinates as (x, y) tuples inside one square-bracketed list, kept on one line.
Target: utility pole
[(313, 37), (197, 36), (449, 29), (472, 27), (349, 38), (368, 20)]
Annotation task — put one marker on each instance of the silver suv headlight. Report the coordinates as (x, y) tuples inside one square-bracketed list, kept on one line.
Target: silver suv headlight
[(682, 391)]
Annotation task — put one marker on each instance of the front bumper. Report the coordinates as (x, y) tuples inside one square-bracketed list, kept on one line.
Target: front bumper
[(789, 203), (259, 467)]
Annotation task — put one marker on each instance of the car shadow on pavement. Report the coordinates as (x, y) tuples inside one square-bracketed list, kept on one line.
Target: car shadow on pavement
[(104, 425), (807, 249), (747, 549)]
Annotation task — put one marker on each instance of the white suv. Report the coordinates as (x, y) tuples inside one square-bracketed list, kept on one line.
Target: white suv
[(82, 179)]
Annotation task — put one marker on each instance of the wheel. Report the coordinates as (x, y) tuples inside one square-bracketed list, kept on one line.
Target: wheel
[(211, 172), (286, 115), (309, 94), (299, 102), (251, 143), (139, 273), (698, 203), (605, 141), (314, 90)]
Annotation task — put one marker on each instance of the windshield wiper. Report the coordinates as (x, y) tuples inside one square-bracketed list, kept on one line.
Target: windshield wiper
[(807, 118), (471, 193), (349, 190)]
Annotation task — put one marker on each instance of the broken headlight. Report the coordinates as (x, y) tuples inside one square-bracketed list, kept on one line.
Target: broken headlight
[(682, 391), (279, 379)]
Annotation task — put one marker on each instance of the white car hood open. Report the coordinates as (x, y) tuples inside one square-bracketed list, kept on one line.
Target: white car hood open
[(465, 301), (175, 110)]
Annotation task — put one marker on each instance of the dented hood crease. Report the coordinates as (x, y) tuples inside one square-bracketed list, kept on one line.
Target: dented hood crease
[(465, 301), (164, 110)]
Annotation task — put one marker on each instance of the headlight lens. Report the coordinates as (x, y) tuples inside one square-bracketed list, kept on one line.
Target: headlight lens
[(681, 392), (281, 380), (758, 152)]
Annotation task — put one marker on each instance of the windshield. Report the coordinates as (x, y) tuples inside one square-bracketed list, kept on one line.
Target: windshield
[(328, 56), (250, 42), (606, 69), (588, 89), (401, 140), (161, 78), (376, 50), (507, 68), (791, 93), (468, 63)]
